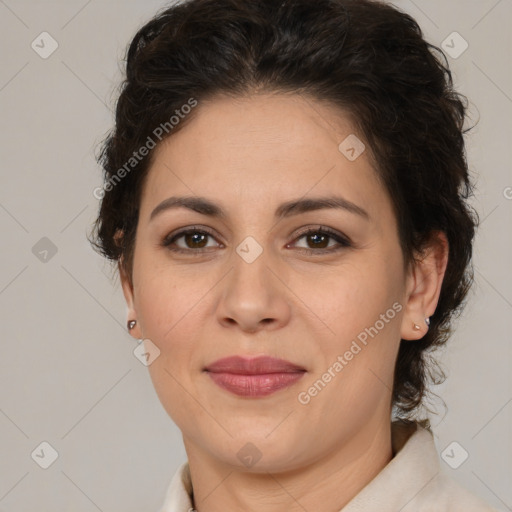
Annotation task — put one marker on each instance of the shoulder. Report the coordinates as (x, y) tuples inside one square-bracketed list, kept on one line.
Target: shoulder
[(447, 495), (440, 492), (425, 485)]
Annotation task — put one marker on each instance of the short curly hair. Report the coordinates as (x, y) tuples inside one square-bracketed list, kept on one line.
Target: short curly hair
[(365, 56)]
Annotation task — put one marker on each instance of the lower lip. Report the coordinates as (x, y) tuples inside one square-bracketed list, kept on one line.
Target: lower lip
[(255, 385)]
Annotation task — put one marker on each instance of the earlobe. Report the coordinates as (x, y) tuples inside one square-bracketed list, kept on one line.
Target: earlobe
[(424, 284), (131, 323)]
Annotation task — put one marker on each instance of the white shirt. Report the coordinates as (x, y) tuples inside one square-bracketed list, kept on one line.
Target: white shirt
[(412, 481)]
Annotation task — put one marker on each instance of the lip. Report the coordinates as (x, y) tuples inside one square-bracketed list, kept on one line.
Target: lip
[(252, 365), (254, 377)]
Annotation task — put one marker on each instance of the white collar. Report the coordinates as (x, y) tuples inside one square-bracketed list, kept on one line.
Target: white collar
[(411, 480)]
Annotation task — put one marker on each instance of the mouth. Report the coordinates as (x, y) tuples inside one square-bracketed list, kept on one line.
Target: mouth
[(254, 377)]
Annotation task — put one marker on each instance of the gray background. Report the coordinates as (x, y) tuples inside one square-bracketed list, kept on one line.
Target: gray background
[(68, 373)]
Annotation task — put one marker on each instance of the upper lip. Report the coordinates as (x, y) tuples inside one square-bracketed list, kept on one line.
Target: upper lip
[(252, 366)]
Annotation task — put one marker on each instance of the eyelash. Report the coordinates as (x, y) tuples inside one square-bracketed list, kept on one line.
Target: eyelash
[(343, 241)]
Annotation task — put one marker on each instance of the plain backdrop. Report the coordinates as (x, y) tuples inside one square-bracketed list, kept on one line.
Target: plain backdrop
[(69, 377)]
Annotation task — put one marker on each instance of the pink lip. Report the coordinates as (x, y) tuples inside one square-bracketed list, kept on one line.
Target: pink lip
[(254, 377)]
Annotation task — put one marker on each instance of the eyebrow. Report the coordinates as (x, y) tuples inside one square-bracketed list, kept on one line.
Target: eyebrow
[(206, 207)]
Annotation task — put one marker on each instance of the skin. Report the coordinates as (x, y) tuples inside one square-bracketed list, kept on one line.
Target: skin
[(249, 155)]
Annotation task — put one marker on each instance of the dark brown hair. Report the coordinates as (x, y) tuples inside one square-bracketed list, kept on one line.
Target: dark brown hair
[(366, 57)]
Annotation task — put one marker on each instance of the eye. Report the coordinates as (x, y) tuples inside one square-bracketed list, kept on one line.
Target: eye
[(317, 240), (194, 240)]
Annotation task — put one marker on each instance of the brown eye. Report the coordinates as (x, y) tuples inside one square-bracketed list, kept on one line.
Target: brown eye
[(194, 240), (318, 241), (189, 240)]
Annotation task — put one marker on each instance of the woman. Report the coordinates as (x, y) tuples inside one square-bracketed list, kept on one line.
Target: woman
[(285, 195)]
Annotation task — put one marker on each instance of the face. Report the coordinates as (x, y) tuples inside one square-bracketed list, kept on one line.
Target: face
[(322, 288)]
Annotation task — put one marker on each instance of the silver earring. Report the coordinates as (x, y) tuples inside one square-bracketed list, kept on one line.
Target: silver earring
[(131, 324), (427, 321)]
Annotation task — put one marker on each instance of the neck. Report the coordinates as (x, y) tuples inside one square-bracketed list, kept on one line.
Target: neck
[(332, 480)]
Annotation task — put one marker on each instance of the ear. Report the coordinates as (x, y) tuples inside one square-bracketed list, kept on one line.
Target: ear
[(423, 284), (127, 286)]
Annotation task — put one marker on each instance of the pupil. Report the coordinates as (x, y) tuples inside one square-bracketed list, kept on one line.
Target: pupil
[(317, 237), (193, 238)]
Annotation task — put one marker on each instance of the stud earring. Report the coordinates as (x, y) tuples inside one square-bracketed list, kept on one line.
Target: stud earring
[(416, 327), (131, 324)]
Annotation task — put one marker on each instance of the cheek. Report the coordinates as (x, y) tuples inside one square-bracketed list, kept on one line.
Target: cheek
[(166, 299), (352, 296), (167, 304), (357, 354), (361, 304)]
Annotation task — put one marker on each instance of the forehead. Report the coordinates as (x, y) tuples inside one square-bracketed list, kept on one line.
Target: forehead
[(261, 149)]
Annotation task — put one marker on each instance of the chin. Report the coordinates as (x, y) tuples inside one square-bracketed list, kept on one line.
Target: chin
[(259, 454)]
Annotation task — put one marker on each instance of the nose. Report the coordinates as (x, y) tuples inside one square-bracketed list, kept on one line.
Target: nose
[(253, 298)]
